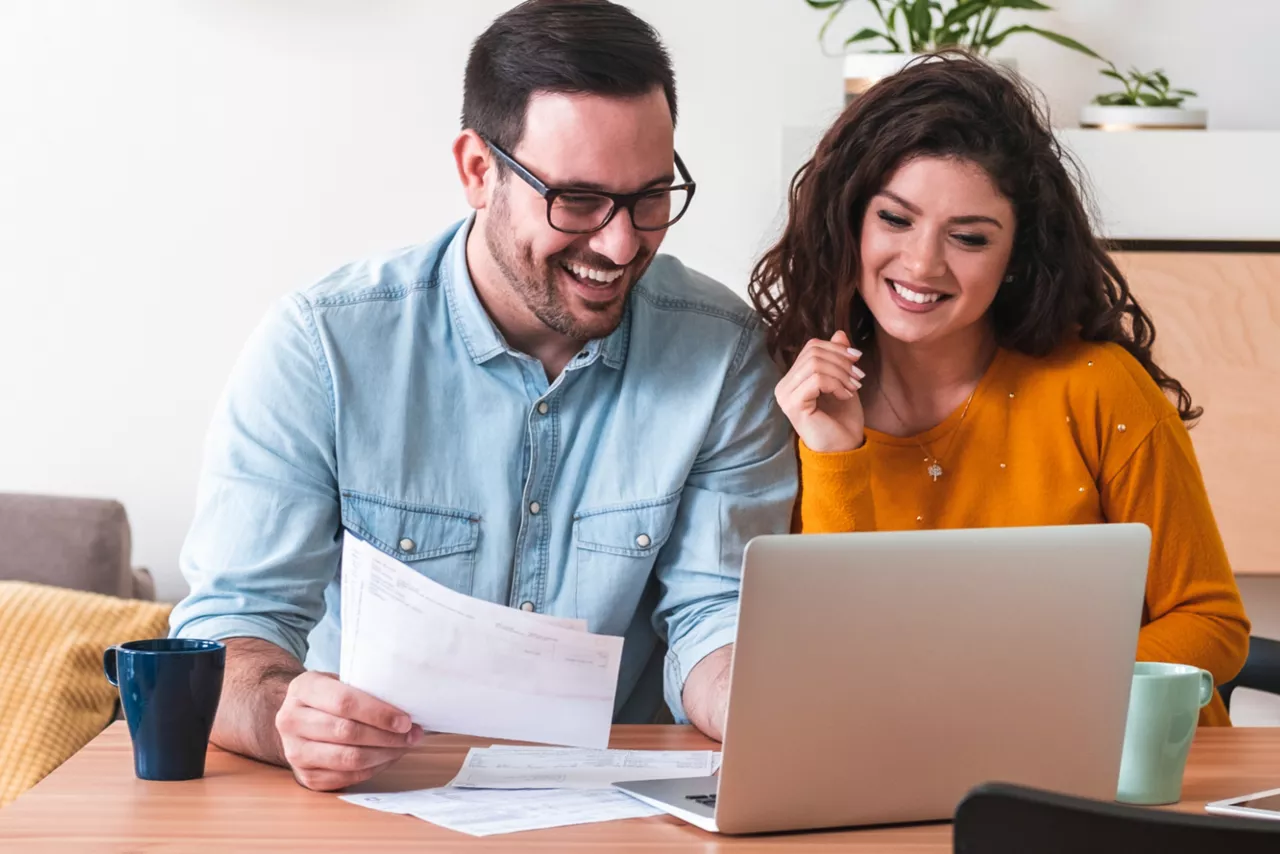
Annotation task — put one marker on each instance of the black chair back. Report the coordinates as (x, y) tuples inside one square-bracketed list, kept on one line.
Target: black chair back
[(998, 818), (1261, 670)]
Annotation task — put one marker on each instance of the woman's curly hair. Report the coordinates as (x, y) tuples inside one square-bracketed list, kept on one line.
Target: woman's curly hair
[(1063, 282)]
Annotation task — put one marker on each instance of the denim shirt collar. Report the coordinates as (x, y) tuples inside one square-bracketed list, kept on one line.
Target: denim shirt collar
[(481, 336)]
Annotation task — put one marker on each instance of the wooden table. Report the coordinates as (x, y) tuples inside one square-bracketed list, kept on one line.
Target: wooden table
[(94, 803)]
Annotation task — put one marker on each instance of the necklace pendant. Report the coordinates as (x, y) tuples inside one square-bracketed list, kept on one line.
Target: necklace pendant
[(935, 471)]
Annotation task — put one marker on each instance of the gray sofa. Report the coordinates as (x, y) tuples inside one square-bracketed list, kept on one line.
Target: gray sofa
[(81, 543)]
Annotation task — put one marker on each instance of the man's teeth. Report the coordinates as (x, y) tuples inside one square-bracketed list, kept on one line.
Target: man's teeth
[(601, 276), (912, 296)]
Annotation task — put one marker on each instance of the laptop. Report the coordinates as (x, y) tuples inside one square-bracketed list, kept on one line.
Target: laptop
[(878, 677)]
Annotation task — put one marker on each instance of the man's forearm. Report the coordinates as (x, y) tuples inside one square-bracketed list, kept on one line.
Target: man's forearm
[(253, 688), (706, 692)]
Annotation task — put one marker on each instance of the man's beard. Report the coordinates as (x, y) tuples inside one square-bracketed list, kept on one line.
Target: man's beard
[(538, 285)]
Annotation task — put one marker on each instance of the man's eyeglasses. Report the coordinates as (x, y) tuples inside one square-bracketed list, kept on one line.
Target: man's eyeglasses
[(575, 211)]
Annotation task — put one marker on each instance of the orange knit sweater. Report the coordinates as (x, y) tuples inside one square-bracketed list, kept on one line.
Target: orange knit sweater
[(1081, 436)]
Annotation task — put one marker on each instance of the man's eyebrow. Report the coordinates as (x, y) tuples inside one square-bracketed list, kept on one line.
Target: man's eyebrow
[(601, 188), (958, 220)]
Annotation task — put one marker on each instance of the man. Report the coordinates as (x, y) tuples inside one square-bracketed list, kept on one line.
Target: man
[(533, 409)]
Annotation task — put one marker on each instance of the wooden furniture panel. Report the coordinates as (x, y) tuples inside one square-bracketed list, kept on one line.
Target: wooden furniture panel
[(1217, 318), (94, 803)]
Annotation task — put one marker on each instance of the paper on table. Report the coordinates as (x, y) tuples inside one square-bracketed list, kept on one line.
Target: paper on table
[(463, 665), (561, 768), (484, 812)]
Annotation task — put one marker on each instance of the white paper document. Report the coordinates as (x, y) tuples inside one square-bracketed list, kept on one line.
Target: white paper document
[(560, 768), (484, 812), (463, 665)]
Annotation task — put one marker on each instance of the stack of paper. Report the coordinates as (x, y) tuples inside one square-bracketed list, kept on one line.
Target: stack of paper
[(504, 789), (484, 812), (463, 665), (503, 767)]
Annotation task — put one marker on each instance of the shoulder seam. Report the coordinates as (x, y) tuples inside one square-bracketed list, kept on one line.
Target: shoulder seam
[(376, 293), (1146, 439), (743, 320)]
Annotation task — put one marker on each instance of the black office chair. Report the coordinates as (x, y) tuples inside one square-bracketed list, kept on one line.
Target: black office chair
[(998, 818), (1261, 670)]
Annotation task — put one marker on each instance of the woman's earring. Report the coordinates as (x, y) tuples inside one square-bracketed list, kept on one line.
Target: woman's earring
[(1008, 279)]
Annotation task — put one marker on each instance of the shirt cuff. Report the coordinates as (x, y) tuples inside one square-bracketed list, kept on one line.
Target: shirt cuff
[(242, 626), (708, 636)]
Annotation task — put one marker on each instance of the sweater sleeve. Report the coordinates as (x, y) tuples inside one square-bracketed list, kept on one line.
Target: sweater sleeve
[(1193, 612), (835, 492)]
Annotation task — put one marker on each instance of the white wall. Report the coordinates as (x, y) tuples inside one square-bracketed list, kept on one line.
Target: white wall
[(168, 168)]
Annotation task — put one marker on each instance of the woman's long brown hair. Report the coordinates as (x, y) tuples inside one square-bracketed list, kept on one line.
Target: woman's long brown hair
[(1064, 283)]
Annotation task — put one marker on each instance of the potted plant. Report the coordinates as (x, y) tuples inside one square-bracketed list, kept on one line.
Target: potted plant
[(1146, 101), (909, 28)]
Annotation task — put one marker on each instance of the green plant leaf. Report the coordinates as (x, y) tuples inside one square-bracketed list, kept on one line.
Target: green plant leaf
[(1188, 92), (826, 25), (964, 11), (921, 25), (864, 34), (825, 4), (1114, 99), (1020, 4), (1107, 72), (998, 38), (1150, 100)]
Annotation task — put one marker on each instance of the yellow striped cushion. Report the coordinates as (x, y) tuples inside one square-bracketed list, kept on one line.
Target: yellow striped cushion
[(53, 696)]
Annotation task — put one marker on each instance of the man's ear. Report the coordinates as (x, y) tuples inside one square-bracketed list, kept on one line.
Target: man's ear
[(476, 168)]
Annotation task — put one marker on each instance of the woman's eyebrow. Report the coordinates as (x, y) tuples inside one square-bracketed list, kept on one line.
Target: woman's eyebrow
[(957, 220)]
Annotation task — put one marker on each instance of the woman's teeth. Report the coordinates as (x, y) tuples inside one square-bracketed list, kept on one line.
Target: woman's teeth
[(590, 274), (914, 296)]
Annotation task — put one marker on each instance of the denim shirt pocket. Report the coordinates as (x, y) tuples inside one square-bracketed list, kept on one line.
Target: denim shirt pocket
[(438, 542), (615, 549)]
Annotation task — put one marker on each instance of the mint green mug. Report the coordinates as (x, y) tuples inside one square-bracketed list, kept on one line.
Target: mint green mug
[(1164, 708)]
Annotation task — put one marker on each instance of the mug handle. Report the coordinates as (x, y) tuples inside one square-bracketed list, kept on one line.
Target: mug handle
[(1206, 688), (109, 665)]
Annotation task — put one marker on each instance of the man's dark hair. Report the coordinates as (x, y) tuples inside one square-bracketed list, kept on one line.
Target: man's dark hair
[(565, 46)]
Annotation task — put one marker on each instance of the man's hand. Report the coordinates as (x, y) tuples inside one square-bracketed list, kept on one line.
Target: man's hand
[(706, 692), (335, 736)]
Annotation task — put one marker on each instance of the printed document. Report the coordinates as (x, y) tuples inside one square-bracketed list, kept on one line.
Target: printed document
[(484, 812), (502, 767), (462, 665)]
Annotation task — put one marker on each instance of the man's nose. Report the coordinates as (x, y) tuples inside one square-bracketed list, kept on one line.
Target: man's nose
[(618, 241)]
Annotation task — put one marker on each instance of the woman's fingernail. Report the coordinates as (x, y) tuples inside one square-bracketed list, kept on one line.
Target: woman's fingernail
[(854, 353)]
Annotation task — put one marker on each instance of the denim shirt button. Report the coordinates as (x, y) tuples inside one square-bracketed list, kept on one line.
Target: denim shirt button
[(526, 606), (543, 409), (643, 541), (406, 545)]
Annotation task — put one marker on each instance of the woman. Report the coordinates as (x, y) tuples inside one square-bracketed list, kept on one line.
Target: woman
[(960, 351)]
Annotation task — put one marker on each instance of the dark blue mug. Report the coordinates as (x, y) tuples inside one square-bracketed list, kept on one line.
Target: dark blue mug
[(169, 690)]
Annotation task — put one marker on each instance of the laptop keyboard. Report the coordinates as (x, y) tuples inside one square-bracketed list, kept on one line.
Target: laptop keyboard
[(705, 800)]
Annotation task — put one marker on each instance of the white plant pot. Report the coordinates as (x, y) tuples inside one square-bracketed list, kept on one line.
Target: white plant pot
[(1142, 118), (864, 70)]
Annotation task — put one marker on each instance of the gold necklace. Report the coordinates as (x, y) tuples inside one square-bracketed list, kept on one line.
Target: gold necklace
[(935, 467)]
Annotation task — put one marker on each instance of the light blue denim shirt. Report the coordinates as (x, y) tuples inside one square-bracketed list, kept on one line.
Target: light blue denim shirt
[(385, 401)]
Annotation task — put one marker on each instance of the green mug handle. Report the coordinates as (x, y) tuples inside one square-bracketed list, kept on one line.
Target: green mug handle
[(1206, 688), (109, 665)]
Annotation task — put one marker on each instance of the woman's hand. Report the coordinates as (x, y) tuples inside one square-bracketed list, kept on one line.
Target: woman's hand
[(820, 395)]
